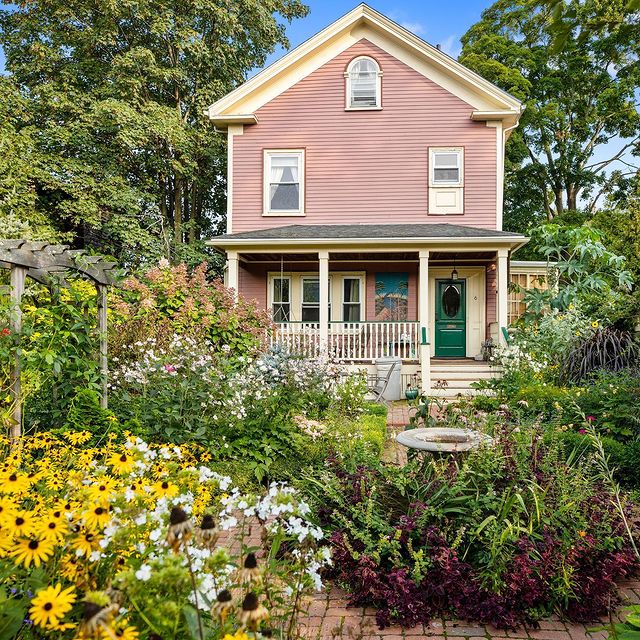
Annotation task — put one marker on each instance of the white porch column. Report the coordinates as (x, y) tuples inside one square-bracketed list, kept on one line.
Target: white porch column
[(323, 278), (423, 318), (502, 296), (232, 271)]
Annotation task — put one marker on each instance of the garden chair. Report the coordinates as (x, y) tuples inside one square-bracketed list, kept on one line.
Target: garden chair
[(377, 385)]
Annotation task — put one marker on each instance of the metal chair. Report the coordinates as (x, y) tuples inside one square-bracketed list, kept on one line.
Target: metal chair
[(377, 385)]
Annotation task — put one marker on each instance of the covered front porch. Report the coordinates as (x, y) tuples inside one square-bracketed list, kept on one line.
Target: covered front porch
[(361, 299)]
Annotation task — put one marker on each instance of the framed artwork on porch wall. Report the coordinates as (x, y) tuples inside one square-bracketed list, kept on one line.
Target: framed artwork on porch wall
[(392, 295)]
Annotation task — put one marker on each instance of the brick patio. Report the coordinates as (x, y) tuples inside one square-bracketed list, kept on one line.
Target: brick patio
[(328, 615)]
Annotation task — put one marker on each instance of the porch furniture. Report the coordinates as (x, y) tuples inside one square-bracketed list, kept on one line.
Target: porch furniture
[(377, 385), (443, 440)]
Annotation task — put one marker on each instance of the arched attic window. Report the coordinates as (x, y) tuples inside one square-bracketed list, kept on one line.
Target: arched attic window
[(363, 84)]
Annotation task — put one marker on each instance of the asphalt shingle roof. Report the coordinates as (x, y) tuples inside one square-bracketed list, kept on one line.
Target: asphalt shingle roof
[(361, 231)]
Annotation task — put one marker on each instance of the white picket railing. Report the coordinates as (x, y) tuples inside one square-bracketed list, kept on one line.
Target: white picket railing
[(298, 337), (352, 341)]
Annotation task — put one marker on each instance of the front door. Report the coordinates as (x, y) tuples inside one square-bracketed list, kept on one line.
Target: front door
[(451, 327)]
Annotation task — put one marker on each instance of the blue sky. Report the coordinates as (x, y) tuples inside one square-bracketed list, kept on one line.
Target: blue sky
[(436, 22)]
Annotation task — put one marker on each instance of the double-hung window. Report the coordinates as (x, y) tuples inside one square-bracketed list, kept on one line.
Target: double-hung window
[(446, 167), (311, 299), (284, 182), (351, 299), (363, 77), (281, 299)]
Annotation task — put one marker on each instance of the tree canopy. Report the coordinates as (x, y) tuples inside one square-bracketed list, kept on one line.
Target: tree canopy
[(581, 122), (110, 126)]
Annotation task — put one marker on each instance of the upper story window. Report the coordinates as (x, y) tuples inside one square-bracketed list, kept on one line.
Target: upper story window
[(364, 84), (284, 182), (446, 167)]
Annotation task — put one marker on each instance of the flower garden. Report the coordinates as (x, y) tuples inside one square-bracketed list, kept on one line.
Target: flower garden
[(228, 482)]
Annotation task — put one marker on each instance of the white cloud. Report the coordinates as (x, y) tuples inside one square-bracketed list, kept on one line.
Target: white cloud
[(451, 46), (415, 27)]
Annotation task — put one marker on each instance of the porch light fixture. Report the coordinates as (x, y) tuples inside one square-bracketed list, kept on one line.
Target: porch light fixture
[(454, 273)]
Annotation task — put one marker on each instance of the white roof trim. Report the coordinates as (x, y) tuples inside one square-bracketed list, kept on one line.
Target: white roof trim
[(367, 15), (267, 244)]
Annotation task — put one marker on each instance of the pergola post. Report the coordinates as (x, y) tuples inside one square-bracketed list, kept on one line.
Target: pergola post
[(18, 277), (102, 329)]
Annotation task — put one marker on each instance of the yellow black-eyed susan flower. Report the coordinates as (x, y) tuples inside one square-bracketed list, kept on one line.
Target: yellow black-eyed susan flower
[(33, 550), (50, 605)]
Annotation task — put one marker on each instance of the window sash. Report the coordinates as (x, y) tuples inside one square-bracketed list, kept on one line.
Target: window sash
[(283, 189), (310, 305), (351, 299), (281, 299), (363, 84), (446, 167)]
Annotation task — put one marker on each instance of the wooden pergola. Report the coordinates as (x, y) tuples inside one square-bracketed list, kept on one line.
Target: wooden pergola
[(48, 264)]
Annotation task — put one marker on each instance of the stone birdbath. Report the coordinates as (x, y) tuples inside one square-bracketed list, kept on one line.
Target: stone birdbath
[(443, 439)]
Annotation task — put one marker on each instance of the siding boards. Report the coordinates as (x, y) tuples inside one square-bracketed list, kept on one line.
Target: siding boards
[(366, 166)]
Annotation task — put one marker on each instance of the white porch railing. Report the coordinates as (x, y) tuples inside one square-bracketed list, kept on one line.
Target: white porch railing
[(352, 341)]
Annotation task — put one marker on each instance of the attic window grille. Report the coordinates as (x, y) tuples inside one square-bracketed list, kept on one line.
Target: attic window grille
[(363, 84)]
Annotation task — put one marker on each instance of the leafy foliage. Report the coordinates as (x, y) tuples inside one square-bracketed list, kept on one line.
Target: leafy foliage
[(113, 96), (503, 536), (555, 158)]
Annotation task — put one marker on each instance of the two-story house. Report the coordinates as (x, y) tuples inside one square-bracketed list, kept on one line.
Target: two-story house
[(365, 187)]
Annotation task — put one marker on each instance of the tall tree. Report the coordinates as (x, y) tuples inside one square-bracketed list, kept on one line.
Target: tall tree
[(581, 119), (116, 93)]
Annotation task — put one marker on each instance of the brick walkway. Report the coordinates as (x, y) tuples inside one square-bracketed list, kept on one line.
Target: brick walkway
[(328, 615)]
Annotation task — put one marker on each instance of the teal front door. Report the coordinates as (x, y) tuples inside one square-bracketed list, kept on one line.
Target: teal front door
[(451, 319)]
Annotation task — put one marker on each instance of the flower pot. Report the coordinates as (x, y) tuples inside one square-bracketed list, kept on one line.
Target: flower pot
[(411, 394)]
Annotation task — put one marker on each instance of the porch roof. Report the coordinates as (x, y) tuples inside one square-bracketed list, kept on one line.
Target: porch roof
[(356, 234)]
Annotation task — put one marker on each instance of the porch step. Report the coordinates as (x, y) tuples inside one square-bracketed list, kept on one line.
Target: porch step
[(459, 376)]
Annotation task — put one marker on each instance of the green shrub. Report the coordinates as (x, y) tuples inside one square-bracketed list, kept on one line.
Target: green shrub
[(375, 409), (86, 414), (485, 403)]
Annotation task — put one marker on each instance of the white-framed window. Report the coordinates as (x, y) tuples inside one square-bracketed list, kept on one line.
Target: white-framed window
[(352, 292), (281, 298), (363, 84), (446, 167), (284, 182), (310, 299)]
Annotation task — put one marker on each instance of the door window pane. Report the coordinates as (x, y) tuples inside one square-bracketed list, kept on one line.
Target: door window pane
[(451, 301)]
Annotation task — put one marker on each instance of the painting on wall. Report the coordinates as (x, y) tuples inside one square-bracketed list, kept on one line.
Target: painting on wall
[(392, 291)]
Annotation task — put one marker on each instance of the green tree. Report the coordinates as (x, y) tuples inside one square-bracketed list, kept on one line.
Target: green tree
[(579, 99), (115, 93)]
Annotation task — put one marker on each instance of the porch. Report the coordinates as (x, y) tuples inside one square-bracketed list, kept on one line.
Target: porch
[(363, 292)]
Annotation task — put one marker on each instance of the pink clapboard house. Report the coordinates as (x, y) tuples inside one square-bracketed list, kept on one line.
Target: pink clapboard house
[(365, 186)]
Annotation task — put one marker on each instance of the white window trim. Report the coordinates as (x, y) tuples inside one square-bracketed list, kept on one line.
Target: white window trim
[(347, 276), (347, 75), (436, 150), (266, 191)]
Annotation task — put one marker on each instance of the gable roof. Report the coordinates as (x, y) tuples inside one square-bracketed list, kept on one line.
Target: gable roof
[(489, 101), (323, 234)]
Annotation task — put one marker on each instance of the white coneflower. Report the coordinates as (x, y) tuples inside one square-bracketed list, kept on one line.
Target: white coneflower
[(179, 528), (250, 573), (221, 606), (207, 532), (253, 613)]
